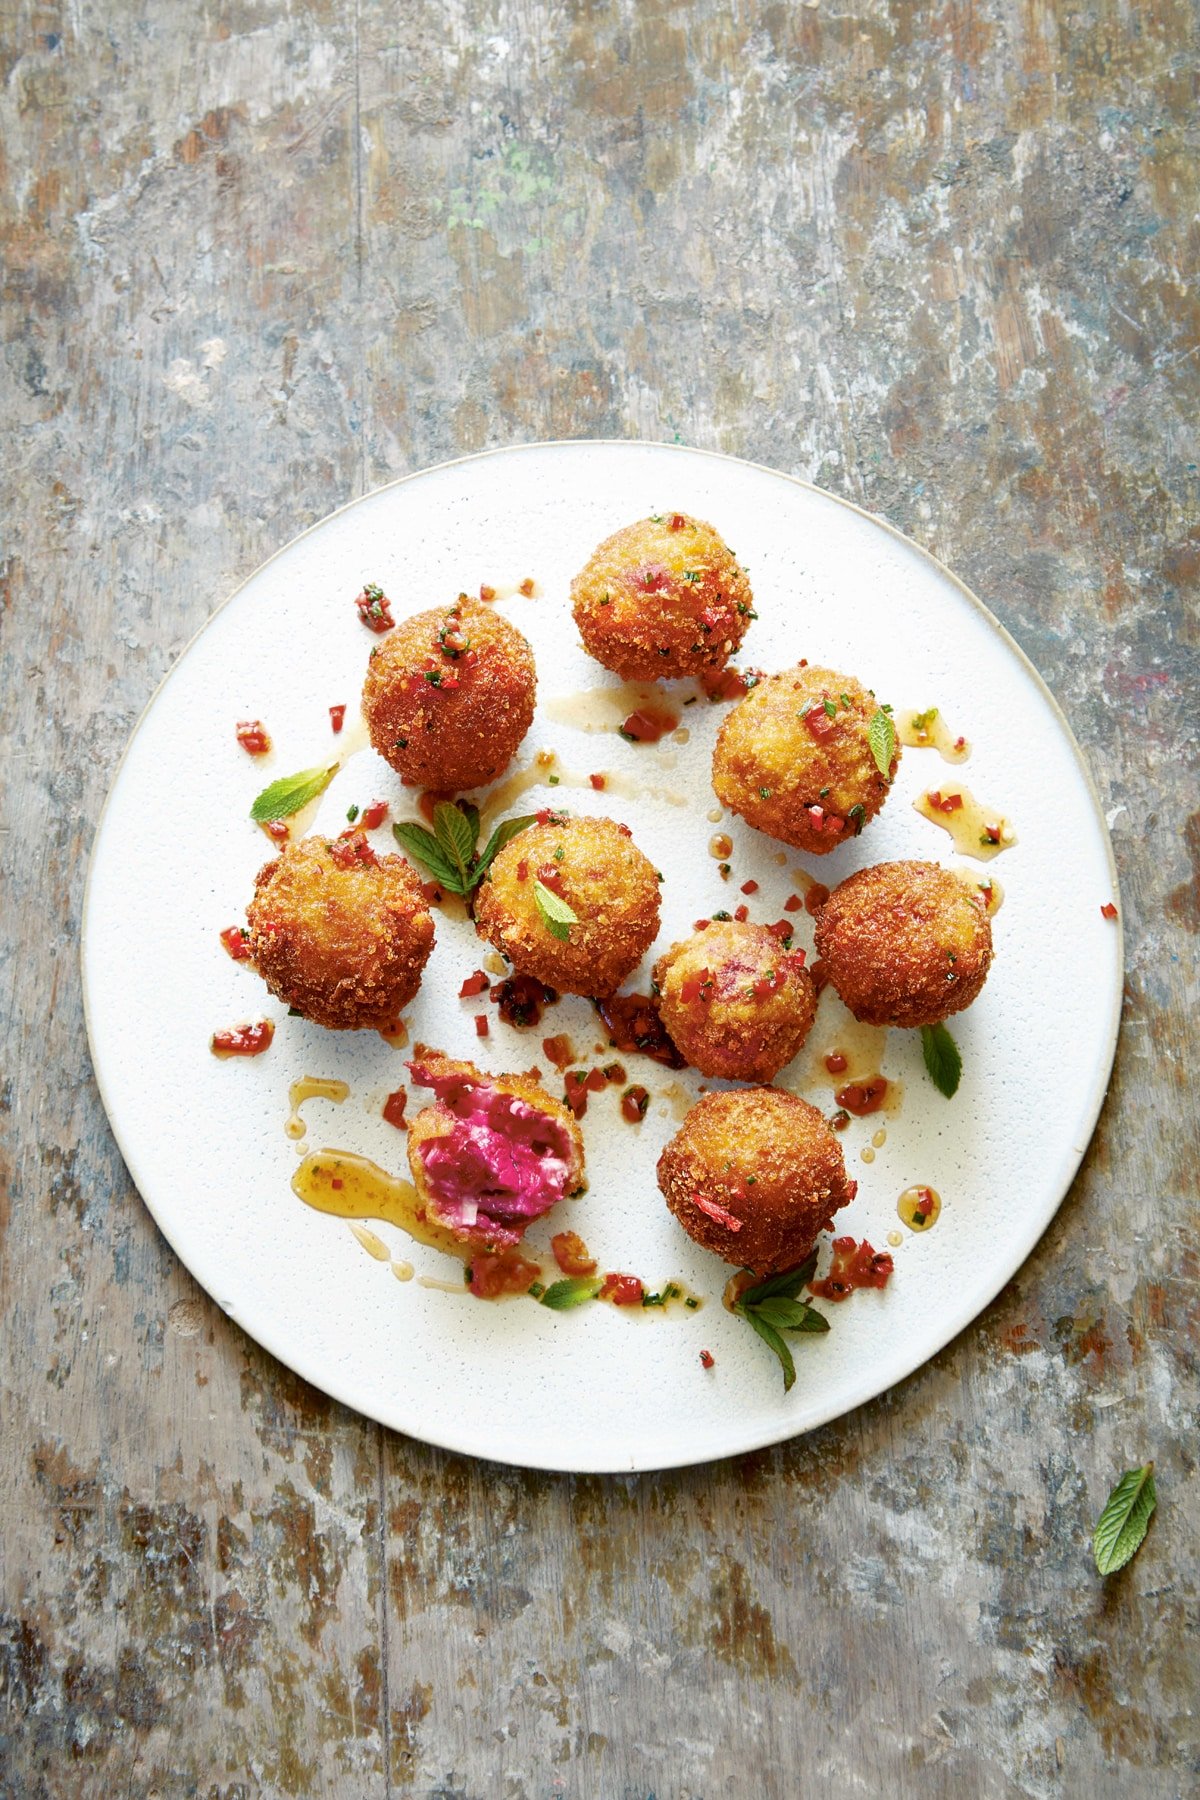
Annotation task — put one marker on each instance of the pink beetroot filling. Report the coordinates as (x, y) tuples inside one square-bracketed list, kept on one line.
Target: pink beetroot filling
[(501, 1164)]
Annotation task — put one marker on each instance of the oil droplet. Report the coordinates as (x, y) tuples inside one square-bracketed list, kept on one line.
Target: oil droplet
[(495, 964), (868, 1155), (606, 708), (919, 1207), (895, 1238), (976, 830), (403, 1271), (928, 731), (682, 736), (374, 1246), (879, 1139), (677, 1098), (310, 1087), (720, 845), (781, 858), (715, 815)]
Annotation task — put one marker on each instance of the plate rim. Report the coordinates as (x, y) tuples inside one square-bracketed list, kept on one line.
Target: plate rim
[(960, 1318)]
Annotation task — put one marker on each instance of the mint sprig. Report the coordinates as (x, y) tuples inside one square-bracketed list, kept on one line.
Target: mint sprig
[(287, 795), (448, 851), (942, 1059), (1122, 1525), (881, 741), (557, 916), (773, 1306)]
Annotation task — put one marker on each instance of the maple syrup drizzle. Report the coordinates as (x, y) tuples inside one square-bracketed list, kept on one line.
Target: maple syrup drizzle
[(976, 830), (928, 731)]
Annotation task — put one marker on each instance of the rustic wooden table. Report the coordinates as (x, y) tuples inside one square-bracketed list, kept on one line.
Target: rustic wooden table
[(259, 258)]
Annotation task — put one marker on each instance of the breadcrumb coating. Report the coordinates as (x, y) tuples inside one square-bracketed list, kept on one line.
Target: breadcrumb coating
[(339, 933), (737, 1004), (904, 943), (449, 695), (592, 864), (662, 598), (793, 759), (753, 1176)]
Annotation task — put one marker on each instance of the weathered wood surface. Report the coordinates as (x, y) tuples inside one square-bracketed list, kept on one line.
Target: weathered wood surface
[(261, 257)]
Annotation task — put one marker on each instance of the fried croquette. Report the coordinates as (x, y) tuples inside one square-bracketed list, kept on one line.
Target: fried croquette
[(663, 598), (737, 1003), (493, 1152), (795, 760), (339, 933), (754, 1176), (449, 695), (904, 943), (595, 868)]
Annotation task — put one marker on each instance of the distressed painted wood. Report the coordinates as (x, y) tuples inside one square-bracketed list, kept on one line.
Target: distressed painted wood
[(261, 257)]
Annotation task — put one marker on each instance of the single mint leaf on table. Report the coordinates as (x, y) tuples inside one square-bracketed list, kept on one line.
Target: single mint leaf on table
[(287, 795), (422, 845), (557, 916), (881, 741), (562, 1295), (1122, 1525), (453, 831), (942, 1059)]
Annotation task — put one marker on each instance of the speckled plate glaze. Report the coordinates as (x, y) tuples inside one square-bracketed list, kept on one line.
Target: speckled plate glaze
[(595, 1389)]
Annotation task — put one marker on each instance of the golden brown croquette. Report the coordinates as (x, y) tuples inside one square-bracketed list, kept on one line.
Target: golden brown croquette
[(793, 758), (736, 1002), (449, 695), (596, 868), (753, 1176), (339, 933), (904, 943), (662, 598)]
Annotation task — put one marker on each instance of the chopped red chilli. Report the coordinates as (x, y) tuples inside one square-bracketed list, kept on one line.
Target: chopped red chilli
[(946, 803), (634, 1102), (749, 887), (474, 984), (337, 718), (622, 1290), (279, 829), (599, 782), (854, 1266), (374, 815), (252, 735), (707, 1360), (393, 1109), (236, 940), (1108, 910), (243, 1040), (482, 1026), (715, 1211), (375, 609), (793, 903)]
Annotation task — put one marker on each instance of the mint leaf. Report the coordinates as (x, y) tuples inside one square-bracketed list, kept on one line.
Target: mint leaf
[(501, 836), (287, 795), (881, 742), (1122, 1525), (557, 916), (425, 848), (791, 1315), (560, 1296), (456, 838), (942, 1059), (788, 1283), (771, 1337)]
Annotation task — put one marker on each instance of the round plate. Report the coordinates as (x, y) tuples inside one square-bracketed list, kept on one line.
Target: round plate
[(597, 1388)]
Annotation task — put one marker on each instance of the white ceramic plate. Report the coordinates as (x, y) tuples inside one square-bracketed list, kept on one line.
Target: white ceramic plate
[(595, 1389)]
